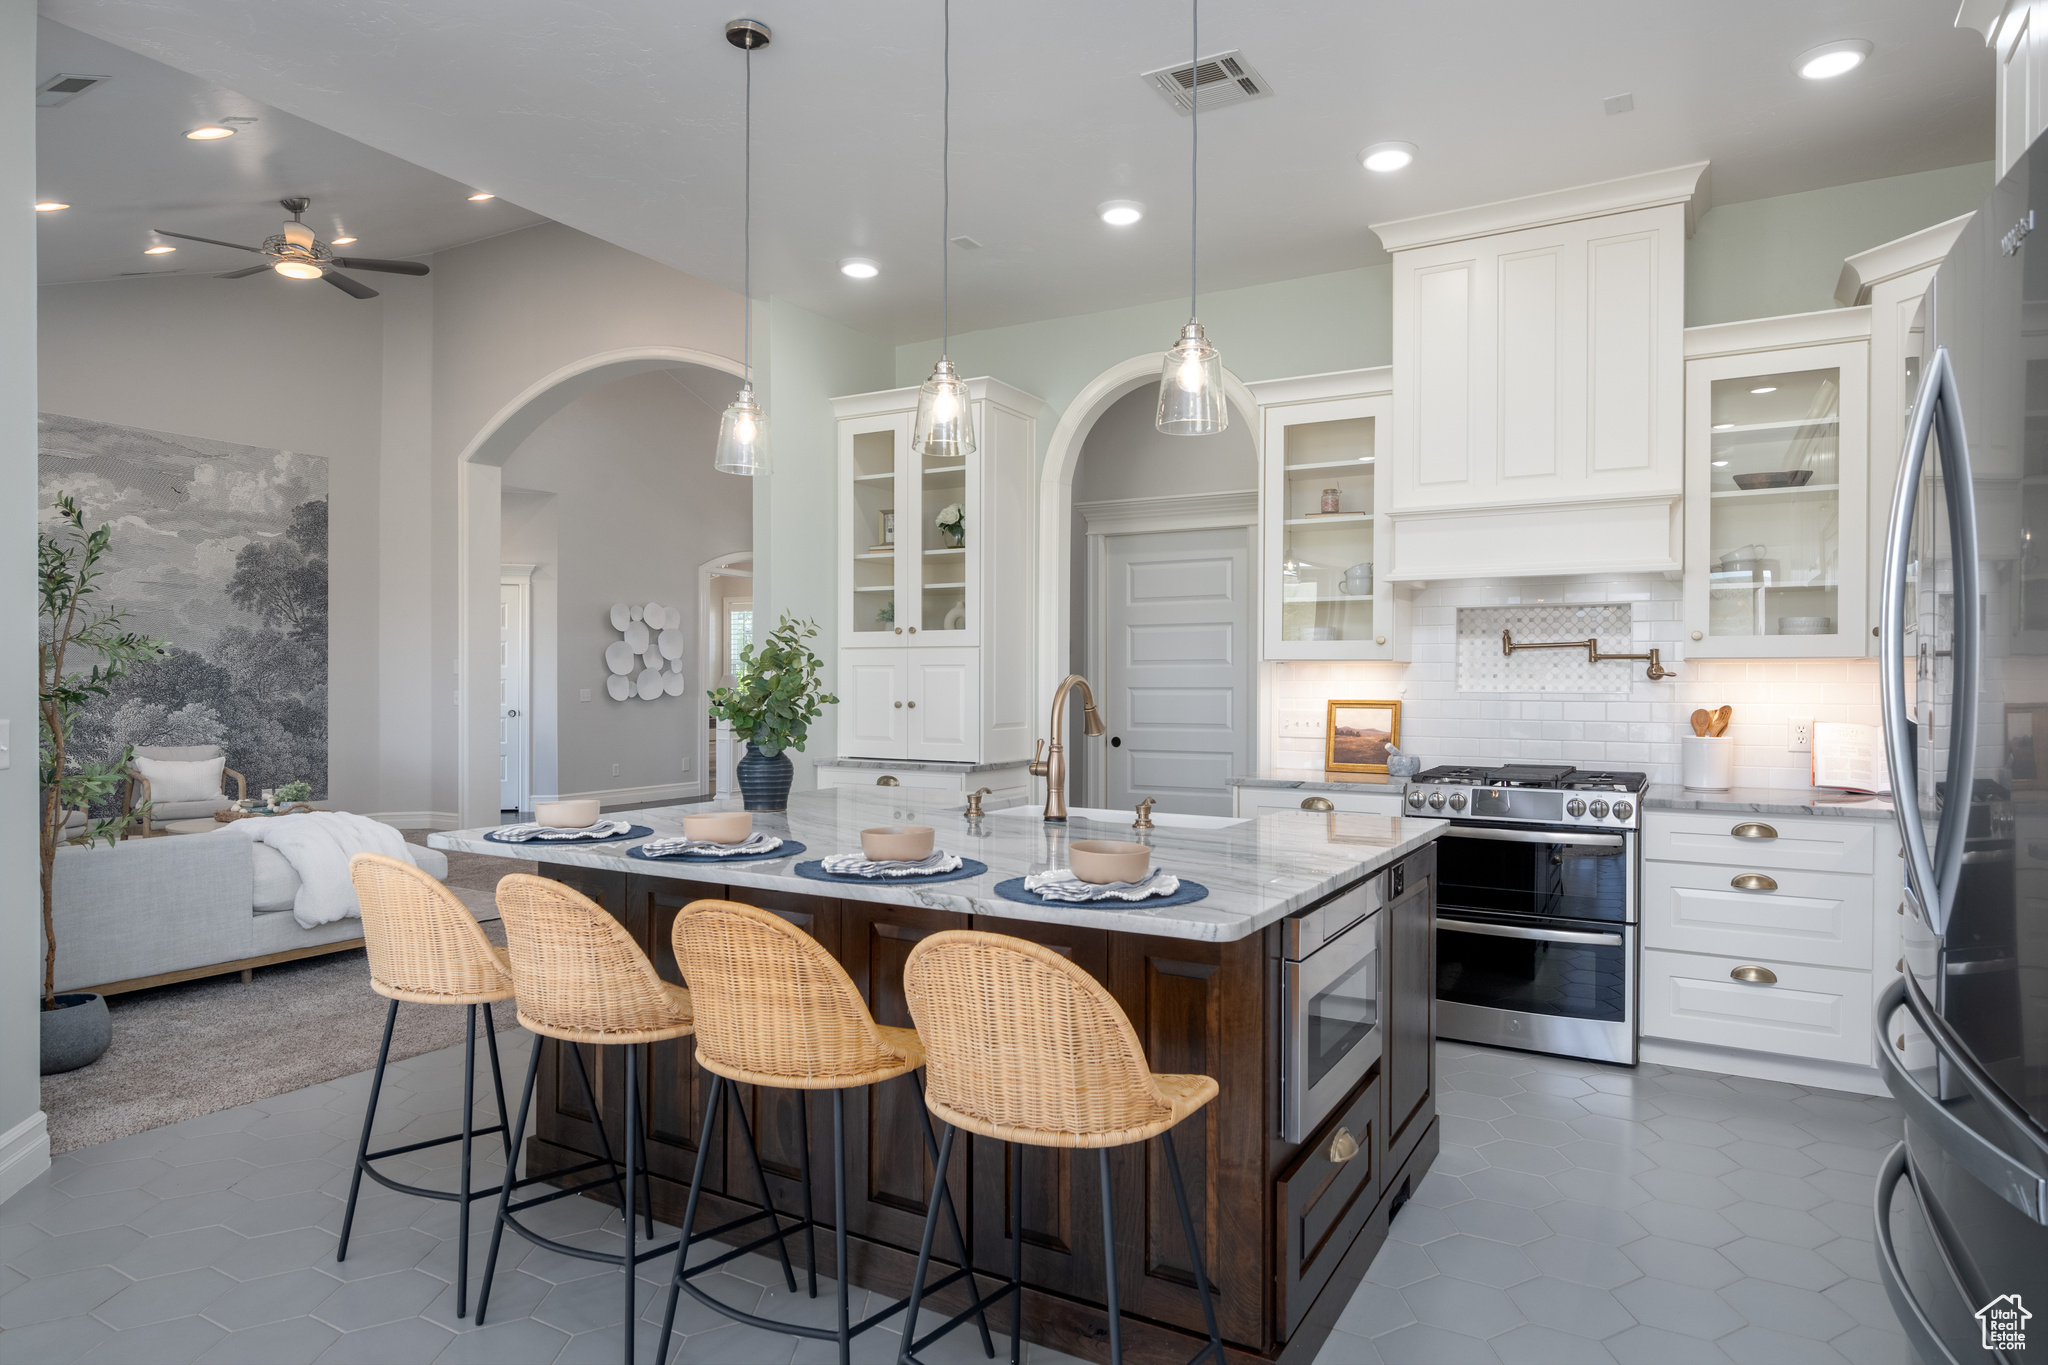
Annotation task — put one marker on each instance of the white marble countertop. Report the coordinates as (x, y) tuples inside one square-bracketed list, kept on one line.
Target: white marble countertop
[(1257, 872), (1787, 801), (1378, 783)]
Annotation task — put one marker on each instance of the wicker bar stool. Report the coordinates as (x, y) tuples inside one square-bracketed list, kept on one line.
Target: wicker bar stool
[(426, 948), (1023, 1046), (775, 1009), (581, 979)]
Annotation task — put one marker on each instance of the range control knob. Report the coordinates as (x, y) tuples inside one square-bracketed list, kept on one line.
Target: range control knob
[(1436, 800), (1598, 810), (1575, 808), (1457, 800), (1415, 800), (1622, 810)]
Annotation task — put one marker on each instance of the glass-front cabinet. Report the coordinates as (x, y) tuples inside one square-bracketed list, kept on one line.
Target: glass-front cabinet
[(1777, 483), (1323, 524), (904, 538)]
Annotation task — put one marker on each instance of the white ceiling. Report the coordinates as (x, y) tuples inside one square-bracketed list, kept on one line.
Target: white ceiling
[(621, 119), (118, 155)]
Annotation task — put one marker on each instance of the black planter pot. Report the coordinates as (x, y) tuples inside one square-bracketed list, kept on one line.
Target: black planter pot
[(76, 1033), (764, 781)]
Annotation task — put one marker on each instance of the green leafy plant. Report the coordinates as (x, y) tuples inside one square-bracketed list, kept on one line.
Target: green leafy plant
[(775, 693), (67, 580), (293, 791)]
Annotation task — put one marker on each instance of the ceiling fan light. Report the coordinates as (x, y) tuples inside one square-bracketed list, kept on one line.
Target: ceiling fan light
[(299, 270), (742, 436), (211, 132)]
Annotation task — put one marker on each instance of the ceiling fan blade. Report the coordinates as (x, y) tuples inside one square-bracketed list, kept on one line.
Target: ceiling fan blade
[(243, 273), (355, 289), (214, 241), (388, 267)]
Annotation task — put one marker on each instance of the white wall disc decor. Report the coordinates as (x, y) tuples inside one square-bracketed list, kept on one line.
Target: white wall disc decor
[(618, 686), (655, 615), (675, 618), (670, 643), (672, 684), (633, 613), (618, 657), (650, 684), (636, 637), (648, 662)]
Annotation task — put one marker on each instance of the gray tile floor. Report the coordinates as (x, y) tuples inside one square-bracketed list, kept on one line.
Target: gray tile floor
[(1578, 1213)]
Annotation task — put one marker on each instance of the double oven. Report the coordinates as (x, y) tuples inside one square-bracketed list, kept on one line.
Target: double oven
[(1536, 919)]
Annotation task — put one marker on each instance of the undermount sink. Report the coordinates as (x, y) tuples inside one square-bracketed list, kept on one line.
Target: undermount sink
[(1121, 817)]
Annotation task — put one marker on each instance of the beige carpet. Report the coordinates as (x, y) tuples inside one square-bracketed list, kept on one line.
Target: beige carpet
[(203, 1046)]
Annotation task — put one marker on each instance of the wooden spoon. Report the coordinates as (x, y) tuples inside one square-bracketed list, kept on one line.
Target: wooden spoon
[(1720, 725), (1700, 721)]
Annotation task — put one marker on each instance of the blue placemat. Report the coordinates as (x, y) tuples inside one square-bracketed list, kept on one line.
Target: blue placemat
[(636, 832), (1013, 890), (790, 848), (815, 870)]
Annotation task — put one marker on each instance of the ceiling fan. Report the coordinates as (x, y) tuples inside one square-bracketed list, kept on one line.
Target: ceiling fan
[(297, 254)]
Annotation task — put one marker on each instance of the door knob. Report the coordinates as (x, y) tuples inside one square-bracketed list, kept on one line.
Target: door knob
[(1317, 803), (512, 712), (1753, 881), (1755, 976), (1343, 1147)]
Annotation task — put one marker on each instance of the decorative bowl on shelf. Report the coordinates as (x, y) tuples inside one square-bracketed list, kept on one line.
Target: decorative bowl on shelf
[(719, 827), (1806, 625), (1780, 478), (897, 843), (1097, 861)]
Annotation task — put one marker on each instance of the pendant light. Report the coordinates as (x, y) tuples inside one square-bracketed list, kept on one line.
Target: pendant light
[(743, 430), (1191, 401), (944, 429)]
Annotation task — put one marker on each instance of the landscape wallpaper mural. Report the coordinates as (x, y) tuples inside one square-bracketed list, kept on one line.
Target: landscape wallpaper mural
[(220, 550)]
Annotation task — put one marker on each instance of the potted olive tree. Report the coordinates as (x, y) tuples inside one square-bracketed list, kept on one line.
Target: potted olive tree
[(774, 697), (76, 1026)]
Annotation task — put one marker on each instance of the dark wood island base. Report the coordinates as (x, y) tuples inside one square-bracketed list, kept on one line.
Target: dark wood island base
[(1290, 1228)]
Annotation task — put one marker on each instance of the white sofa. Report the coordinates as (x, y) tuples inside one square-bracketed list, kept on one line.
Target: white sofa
[(148, 912)]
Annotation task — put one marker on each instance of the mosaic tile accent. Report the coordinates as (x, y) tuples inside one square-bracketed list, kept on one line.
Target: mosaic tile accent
[(1482, 667)]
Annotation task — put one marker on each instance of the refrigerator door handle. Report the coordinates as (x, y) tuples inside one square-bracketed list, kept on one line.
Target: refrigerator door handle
[(1919, 1328)]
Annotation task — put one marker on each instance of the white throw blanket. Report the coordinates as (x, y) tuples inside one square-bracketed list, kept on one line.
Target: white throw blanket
[(318, 845)]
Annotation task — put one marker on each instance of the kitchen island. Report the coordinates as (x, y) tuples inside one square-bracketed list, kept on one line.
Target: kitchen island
[(1290, 1227)]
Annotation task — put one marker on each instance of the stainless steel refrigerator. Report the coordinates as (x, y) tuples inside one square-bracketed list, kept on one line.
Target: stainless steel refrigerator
[(1962, 1203)]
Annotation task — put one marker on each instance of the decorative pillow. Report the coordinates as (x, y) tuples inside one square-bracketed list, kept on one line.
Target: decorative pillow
[(174, 781)]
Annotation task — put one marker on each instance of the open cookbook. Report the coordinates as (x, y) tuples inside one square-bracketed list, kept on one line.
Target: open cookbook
[(1850, 757)]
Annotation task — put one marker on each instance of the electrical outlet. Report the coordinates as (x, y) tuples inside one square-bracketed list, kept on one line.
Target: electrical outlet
[(583, 694), (7, 744), (615, 770), (1801, 736)]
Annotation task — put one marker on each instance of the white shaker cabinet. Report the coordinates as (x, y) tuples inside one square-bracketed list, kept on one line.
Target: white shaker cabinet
[(2017, 33), (1537, 425)]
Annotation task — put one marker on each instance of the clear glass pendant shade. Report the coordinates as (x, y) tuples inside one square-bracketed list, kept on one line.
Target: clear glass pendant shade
[(1191, 401), (945, 416), (743, 436)]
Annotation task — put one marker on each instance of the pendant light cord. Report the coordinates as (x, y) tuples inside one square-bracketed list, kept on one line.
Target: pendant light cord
[(1194, 154), (946, 178), (747, 228)]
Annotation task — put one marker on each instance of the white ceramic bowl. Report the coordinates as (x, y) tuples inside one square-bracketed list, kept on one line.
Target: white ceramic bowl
[(1806, 625), (1097, 861), (719, 827), (897, 843), (566, 814)]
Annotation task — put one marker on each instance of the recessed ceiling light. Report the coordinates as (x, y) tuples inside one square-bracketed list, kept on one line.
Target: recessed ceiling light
[(1387, 156), (1723, 426), (49, 206), (859, 268), (342, 241), (212, 132), (1719, 463), (158, 250), (480, 197), (1768, 388), (298, 270), (1121, 212), (1832, 59)]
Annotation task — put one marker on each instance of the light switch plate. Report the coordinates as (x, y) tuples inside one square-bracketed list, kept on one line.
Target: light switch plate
[(6, 743)]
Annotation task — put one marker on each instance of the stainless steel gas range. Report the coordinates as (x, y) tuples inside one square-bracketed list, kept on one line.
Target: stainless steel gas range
[(1536, 921)]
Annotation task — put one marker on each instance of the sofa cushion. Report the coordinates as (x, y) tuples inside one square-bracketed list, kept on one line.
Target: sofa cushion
[(178, 753), (177, 780), (277, 882)]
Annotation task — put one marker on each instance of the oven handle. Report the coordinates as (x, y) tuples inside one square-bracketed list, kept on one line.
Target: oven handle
[(1473, 926), (1534, 836)]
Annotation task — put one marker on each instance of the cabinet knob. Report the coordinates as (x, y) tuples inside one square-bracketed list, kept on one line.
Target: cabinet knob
[(1318, 803), (1755, 976), (899, 630), (912, 705), (1379, 639), (886, 780), (913, 630), (1343, 1147), (1698, 635), (1753, 881), (899, 706), (1751, 829)]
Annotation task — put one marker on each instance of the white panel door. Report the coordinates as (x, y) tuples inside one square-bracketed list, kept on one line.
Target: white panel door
[(944, 705), (872, 690), (514, 725), (1178, 695)]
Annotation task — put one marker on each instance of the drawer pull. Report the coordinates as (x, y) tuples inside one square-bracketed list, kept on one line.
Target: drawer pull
[(885, 780), (1343, 1147), (1750, 829), (1318, 803), (1755, 976), (1902, 1042), (1753, 881)]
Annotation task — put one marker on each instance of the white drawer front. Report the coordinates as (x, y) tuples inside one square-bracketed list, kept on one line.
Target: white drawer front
[(1253, 802), (1822, 919), (1818, 1012), (1805, 843)]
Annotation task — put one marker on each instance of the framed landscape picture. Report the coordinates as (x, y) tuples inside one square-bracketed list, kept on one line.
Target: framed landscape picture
[(1357, 734)]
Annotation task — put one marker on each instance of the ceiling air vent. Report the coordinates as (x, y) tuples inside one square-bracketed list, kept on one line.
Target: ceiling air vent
[(1227, 78), (62, 89)]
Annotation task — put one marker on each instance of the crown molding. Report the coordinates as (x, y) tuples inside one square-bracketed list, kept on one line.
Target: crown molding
[(1914, 251), (1674, 185), (1768, 334)]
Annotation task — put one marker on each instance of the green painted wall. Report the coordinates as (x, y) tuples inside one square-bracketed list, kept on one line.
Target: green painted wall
[(1783, 255)]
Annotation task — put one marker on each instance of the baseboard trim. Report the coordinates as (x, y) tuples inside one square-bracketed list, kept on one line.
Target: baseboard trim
[(1764, 1066), (24, 1154), (620, 796), (418, 819)]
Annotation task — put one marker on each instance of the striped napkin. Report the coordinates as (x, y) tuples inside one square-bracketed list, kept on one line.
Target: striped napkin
[(520, 834), (1061, 884), (857, 865), (758, 842)]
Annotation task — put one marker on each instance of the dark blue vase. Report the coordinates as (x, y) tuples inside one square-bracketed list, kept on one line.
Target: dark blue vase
[(764, 781)]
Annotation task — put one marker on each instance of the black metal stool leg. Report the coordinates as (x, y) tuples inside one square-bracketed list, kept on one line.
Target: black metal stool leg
[(355, 1183), (626, 1205), (839, 1223), (468, 1137), (675, 1283), (924, 1256), (1116, 1327), (483, 1296), (945, 1194), (639, 1117), (1187, 1224), (604, 1143), (497, 1078), (761, 1183), (1016, 1252), (803, 1102)]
